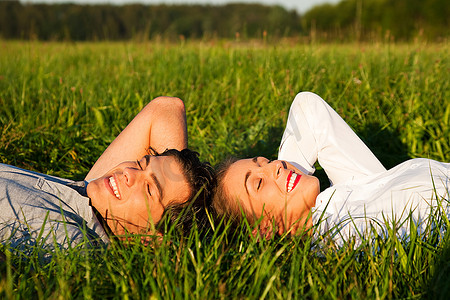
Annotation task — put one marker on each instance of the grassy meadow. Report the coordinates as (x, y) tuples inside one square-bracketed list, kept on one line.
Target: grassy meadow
[(61, 104)]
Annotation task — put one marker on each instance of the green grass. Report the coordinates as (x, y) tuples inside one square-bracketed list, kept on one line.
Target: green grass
[(61, 104)]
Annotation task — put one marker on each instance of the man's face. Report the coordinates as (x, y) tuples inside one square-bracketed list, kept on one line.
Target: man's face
[(133, 195)]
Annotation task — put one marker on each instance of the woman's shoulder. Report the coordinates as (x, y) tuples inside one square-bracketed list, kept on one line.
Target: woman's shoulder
[(422, 163)]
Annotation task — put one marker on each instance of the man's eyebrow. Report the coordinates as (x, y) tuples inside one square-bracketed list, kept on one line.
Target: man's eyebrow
[(158, 186), (147, 159)]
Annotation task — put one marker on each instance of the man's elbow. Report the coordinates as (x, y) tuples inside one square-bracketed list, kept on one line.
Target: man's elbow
[(174, 103)]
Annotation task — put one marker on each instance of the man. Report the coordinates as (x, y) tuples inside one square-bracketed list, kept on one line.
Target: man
[(128, 190)]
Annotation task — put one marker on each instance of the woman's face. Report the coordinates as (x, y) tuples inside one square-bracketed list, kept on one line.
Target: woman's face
[(275, 190)]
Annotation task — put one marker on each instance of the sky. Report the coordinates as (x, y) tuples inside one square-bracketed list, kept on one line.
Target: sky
[(299, 5)]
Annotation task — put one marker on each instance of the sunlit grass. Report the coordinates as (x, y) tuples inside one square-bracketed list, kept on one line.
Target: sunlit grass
[(62, 104)]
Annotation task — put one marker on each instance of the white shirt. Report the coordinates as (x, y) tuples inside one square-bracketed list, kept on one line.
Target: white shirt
[(363, 195), (387, 200)]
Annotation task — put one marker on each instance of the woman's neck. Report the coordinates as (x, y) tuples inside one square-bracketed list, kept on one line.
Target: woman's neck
[(302, 214)]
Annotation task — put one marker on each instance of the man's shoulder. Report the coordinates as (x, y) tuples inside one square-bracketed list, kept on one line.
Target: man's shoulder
[(16, 173)]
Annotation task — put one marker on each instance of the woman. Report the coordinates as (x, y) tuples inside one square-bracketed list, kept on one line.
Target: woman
[(126, 191), (282, 196)]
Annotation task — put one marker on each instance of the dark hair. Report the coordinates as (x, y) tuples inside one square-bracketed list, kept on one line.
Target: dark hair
[(201, 180), (225, 208)]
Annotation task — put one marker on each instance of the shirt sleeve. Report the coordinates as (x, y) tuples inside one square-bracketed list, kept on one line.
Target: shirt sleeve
[(315, 132)]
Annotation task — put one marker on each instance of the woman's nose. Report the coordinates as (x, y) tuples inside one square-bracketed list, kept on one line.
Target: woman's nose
[(272, 168), (277, 167)]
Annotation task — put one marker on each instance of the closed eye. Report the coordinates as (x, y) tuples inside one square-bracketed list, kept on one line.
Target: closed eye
[(259, 184), (147, 185), (148, 189)]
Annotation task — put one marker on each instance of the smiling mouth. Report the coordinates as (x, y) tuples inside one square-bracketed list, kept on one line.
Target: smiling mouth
[(292, 181), (112, 183)]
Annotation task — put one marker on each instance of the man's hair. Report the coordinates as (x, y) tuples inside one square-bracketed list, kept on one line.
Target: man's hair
[(201, 180)]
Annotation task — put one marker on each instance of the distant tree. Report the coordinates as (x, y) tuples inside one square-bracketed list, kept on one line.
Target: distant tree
[(9, 24), (346, 20)]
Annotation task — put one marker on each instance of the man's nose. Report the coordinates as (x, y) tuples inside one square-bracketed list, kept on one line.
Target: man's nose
[(131, 175)]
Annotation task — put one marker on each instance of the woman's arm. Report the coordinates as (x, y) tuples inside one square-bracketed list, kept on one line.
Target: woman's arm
[(314, 131), (161, 124)]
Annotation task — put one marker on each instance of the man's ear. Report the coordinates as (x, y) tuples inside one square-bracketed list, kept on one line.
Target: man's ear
[(153, 237)]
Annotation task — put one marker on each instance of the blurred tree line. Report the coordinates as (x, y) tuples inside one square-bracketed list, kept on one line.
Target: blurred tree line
[(112, 22), (347, 20), (380, 20)]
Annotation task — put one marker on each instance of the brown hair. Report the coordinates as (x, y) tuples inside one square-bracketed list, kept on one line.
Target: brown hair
[(201, 180), (224, 206)]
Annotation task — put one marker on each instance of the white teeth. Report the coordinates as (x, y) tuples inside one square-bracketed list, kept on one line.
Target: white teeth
[(113, 184), (291, 182)]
